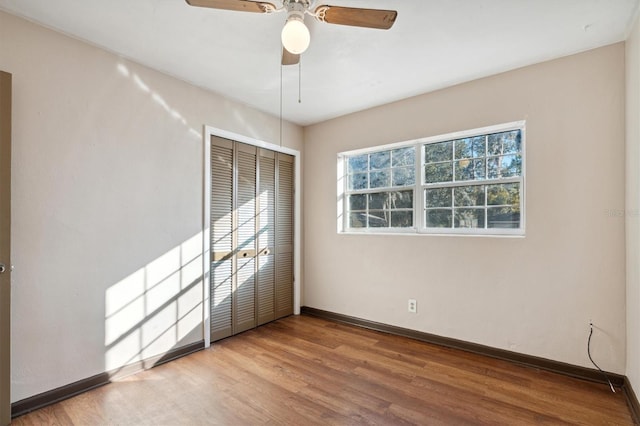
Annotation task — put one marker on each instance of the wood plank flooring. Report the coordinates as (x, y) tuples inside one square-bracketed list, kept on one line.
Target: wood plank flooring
[(308, 371)]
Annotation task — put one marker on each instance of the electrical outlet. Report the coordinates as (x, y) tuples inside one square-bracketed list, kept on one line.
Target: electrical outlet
[(413, 306)]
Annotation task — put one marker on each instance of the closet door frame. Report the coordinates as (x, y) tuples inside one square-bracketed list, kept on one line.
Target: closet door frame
[(206, 219)]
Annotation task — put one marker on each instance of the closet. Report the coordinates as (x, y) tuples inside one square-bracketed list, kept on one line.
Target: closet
[(252, 191)]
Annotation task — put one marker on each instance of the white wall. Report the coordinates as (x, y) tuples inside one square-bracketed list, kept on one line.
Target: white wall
[(533, 295), (107, 205), (633, 206)]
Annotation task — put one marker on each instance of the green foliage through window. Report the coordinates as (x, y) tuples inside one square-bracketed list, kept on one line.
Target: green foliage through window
[(456, 174)]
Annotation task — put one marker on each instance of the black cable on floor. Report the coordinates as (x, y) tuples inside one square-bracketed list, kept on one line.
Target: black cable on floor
[(593, 362)]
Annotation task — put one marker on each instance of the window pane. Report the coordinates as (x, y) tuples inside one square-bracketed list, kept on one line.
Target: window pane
[(358, 202), (505, 194), (493, 167), (381, 179), (440, 218), (357, 220), (402, 200), (469, 170), (379, 201), (358, 181), (441, 151), (505, 166), (403, 157), (358, 163), (470, 147), (404, 176), (511, 165), (440, 172), (437, 197), (469, 195), (378, 219), (469, 218), (503, 217), (512, 142), (401, 219), (380, 160), (505, 143)]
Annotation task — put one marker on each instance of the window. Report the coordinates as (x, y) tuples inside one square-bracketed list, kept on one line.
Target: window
[(467, 183), (377, 189)]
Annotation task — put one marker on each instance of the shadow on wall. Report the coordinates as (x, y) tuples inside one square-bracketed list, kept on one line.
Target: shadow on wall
[(160, 306), (155, 309), (238, 116)]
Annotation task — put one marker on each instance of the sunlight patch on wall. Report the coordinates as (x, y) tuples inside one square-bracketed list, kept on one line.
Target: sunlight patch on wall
[(122, 69), (156, 97), (154, 309)]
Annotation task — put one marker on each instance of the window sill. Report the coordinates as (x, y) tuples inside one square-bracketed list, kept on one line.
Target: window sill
[(413, 233)]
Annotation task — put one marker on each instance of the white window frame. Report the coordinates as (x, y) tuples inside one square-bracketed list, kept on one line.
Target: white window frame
[(343, 220), (419, 186)]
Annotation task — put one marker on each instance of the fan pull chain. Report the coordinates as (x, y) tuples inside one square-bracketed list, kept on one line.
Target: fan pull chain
[(281, 105), (300, 81)]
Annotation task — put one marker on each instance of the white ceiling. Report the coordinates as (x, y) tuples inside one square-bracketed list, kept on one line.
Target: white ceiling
[(433, 44)]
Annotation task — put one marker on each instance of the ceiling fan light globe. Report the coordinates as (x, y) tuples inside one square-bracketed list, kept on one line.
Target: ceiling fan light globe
[(295, 36)]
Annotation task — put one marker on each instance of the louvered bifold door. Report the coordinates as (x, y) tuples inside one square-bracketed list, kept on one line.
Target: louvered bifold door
[(251, 237), (266, 235), (221, 237), (244, 296), (284, 235)]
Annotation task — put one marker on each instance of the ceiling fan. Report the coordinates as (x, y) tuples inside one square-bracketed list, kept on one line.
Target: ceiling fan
[(295, 35)]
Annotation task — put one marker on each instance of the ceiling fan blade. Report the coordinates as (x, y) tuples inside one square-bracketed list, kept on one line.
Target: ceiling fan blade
[(289, 58), (237, 5), (368, 18)]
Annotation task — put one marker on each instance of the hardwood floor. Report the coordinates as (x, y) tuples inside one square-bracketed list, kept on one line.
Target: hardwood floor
[(308, 371)]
